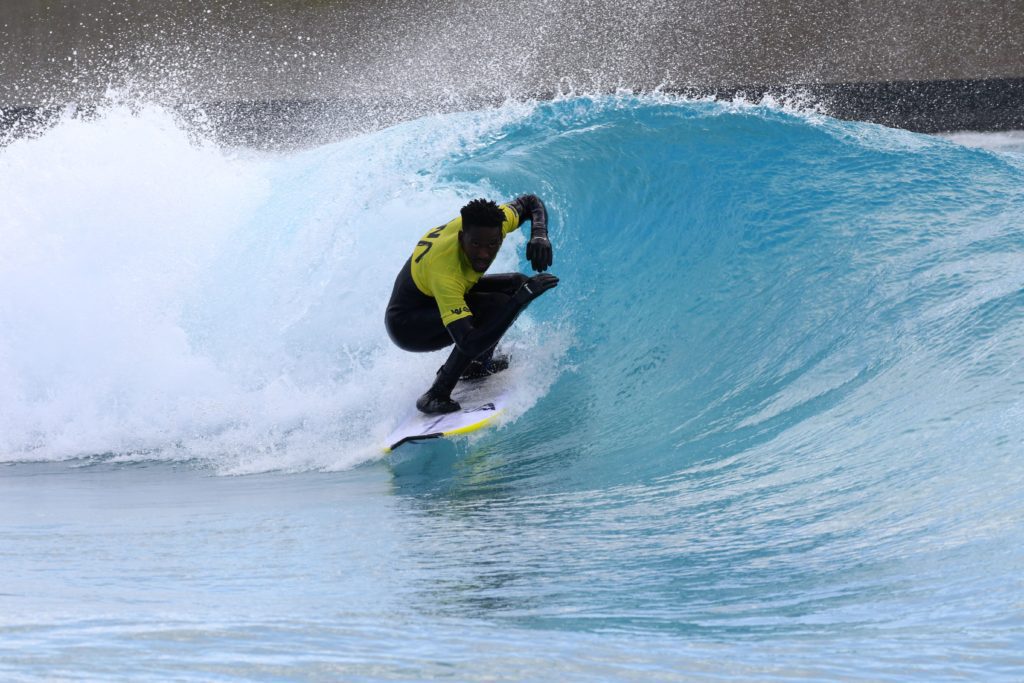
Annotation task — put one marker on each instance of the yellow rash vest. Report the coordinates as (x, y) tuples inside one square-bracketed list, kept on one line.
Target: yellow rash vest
[(441, 270)]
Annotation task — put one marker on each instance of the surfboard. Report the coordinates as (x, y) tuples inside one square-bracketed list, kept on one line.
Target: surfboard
[(481, 402)]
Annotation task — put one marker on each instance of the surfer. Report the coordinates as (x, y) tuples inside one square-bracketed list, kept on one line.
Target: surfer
[(441, 295)]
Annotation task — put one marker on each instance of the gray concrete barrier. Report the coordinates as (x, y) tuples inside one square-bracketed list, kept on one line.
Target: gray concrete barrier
[(357, 64)]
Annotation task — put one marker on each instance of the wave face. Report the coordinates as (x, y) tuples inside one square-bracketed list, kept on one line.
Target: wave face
[(778, 389), (737, 281)]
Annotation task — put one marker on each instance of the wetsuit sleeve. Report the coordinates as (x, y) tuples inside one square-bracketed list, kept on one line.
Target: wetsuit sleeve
[(538, 249), (529, 207)]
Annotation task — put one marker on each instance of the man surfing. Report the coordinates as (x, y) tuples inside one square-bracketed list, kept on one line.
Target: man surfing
[(441, 295)]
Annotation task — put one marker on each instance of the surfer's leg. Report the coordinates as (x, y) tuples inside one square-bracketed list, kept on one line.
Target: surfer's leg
[(438, 399), (506, 283), (484, 305)]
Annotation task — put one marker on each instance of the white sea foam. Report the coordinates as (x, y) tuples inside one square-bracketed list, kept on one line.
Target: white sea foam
[(163, 298)]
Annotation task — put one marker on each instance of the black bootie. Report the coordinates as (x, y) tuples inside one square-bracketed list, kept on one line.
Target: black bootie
[(438, 398), (486, 367)]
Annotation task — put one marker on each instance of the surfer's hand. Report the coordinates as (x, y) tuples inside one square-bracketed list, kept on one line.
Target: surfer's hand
[(535, 286), (538, 251)]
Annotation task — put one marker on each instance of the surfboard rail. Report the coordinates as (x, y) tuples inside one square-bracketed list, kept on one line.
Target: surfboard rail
[(480, 411)]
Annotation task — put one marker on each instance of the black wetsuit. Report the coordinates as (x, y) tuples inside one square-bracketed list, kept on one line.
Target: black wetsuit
[(413, 319)]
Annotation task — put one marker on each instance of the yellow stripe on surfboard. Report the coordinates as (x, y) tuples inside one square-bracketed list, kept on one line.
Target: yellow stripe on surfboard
[(460, 430), (473, 427)]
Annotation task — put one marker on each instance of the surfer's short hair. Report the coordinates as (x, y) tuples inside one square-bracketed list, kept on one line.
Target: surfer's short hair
[(482, 213)]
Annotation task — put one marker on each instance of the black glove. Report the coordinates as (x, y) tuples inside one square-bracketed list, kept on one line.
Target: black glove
[(538, 251), (534, 287)]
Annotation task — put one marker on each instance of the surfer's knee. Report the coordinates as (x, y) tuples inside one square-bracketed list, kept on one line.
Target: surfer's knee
[(519, 281)]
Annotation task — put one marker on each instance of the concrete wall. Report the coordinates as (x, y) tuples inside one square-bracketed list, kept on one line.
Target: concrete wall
[(445, 50)]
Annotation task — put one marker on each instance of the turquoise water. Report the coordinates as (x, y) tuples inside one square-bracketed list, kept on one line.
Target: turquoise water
[(769, 424)]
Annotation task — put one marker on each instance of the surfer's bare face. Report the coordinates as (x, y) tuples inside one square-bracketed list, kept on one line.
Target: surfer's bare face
[(481, 245)]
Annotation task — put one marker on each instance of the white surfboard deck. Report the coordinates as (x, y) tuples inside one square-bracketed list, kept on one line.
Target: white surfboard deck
[(481, 402)]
